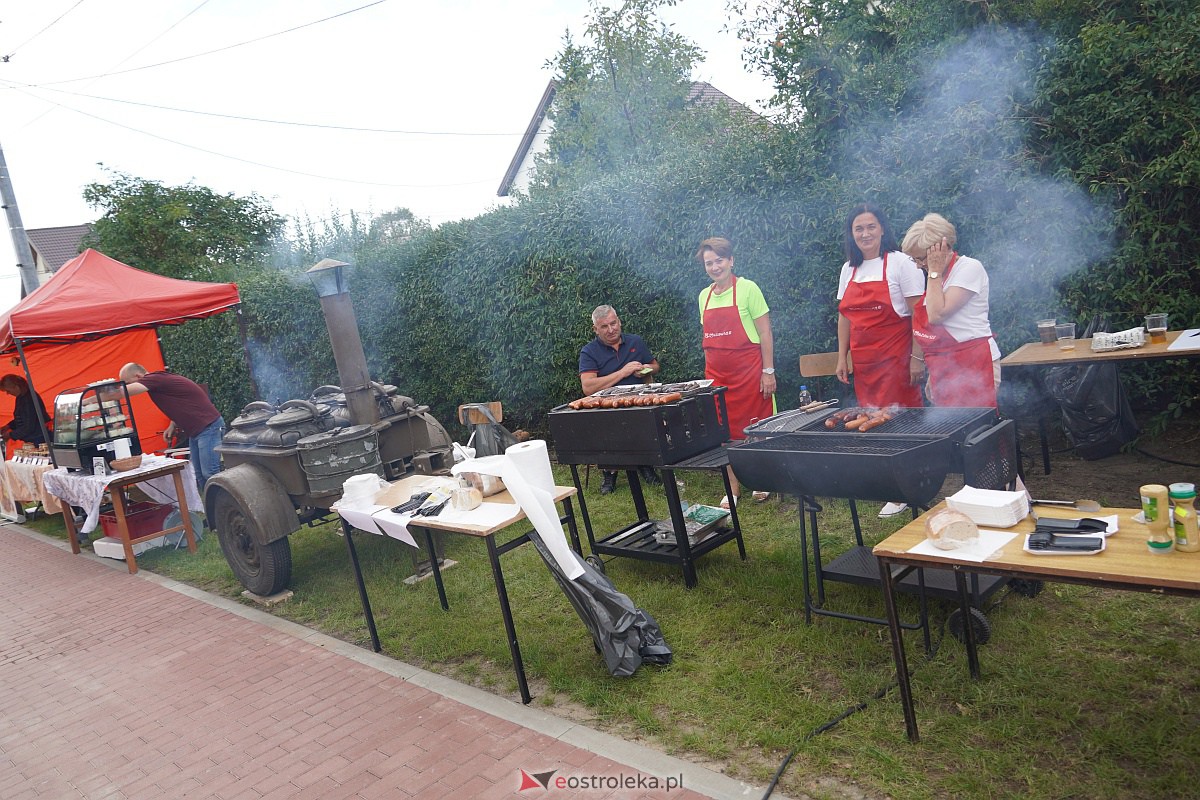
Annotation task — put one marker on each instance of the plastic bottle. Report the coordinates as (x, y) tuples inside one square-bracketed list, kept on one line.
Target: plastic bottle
[(1155, 505), (1187, 537), (805, 396)]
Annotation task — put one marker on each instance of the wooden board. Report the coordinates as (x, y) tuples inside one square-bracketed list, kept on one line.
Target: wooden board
[(469, 413)]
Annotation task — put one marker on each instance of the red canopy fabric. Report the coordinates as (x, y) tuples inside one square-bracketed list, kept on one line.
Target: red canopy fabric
[(94, 315), (93, 296)]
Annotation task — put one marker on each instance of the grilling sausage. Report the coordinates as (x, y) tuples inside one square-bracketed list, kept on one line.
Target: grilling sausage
[(856, 423)]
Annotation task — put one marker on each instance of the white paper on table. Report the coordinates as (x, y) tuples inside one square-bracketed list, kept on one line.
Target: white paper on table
[(485, 515), (395, 525), (361, 518), (1188, 340), (988, 544), (519, 468)]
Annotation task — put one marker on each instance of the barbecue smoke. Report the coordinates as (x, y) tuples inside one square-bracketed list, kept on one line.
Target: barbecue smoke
[(964, 138)]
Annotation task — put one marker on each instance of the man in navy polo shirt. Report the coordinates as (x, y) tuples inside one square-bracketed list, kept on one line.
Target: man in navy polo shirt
[(614, 358)]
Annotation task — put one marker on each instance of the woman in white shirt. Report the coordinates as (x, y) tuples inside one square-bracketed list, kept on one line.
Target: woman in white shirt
[(950, 322)]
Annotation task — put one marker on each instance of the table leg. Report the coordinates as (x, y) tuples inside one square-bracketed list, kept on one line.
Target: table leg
[(348, 535), (68, 514), (964, 609), (510, 629), (898, 654), (118, 500), (437, 570), (183, 511), (569, 514), (587, 522)]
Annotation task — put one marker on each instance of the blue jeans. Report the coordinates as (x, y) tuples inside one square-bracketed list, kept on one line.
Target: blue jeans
[(206, 461)]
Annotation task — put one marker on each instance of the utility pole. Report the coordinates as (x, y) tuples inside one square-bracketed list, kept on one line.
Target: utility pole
[(25, 264)]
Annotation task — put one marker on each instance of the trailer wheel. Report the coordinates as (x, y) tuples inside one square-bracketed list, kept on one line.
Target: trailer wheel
[(979, 626), (262, 568)]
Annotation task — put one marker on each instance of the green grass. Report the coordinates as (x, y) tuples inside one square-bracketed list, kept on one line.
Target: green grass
[(1085, 693)]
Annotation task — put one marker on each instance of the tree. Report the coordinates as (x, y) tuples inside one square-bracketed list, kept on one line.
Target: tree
[(187, 231), (619, 94)]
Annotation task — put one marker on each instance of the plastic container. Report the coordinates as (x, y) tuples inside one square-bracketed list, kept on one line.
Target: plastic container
[(1156, 509), (805, 396), (142, 518), (1187, 537)]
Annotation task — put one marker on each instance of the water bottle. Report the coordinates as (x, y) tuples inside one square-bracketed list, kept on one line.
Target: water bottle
[(805, 396), (683, 504)]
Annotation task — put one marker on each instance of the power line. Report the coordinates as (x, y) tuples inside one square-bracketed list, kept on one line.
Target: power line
[(6, 58), (167, 30), (240, 118), (219, 49), (268, 166)]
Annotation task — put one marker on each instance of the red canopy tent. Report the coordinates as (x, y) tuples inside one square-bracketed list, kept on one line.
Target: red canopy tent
[(94, 315)]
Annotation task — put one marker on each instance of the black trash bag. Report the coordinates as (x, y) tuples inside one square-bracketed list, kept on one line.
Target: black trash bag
[(1095, 409), (490, 438), (624, 634)]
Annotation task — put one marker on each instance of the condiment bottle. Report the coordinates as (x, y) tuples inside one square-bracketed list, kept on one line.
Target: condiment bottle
[(1156, 510), (1187, 537)]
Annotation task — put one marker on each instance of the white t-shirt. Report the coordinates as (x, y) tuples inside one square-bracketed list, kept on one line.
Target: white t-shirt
[(971, 321), (905, 279)]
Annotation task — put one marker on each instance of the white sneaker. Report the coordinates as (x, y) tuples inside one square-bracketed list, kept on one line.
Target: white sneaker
[(892, 509)]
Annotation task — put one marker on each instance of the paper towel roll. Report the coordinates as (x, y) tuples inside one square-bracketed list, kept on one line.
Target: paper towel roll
[(533, 460), (526, 473)]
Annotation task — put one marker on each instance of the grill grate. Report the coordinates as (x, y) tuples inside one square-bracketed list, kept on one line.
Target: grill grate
[(907, 421), (846, 443)]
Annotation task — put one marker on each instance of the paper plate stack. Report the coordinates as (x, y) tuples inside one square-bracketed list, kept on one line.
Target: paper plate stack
[(989, 507)]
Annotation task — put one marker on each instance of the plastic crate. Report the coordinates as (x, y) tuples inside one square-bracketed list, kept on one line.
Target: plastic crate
[(143, 519)]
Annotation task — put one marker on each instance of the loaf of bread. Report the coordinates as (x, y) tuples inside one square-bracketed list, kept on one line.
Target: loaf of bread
[(949, 529)]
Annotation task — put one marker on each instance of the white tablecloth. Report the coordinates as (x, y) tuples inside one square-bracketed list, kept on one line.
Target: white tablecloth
[(87, 491), (24, 476)]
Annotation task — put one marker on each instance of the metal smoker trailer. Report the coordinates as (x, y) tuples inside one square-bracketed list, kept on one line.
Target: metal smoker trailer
[(285, 465)]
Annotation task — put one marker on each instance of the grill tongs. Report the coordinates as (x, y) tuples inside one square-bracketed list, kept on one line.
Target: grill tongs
[(1046, 541)]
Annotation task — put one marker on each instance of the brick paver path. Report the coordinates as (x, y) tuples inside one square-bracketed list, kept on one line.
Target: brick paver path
[(120, 686)]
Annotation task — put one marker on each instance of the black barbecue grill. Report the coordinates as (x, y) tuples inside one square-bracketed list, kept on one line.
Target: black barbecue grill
[(685, 434), (652, 435), (906, 458)]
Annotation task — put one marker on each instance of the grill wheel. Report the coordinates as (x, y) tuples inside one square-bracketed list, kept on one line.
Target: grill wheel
[(263, 569), (980, 627)]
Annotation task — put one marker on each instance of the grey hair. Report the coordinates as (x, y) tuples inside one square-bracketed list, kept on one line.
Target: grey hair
[(602, 312), (928, 231)]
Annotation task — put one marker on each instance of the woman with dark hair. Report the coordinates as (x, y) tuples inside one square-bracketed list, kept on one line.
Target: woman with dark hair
[(877, 290), (739, 350), (25, 425)]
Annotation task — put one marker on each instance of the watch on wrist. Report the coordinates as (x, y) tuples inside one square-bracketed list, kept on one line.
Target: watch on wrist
[(768, 370), (935, 274)]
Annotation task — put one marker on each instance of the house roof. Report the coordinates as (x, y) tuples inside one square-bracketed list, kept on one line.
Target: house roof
[(701, 93), (58, 245), (539, 114)]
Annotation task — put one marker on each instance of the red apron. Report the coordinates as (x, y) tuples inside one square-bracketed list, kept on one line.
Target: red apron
[(733, 361), (880, 344), (960, 373)]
